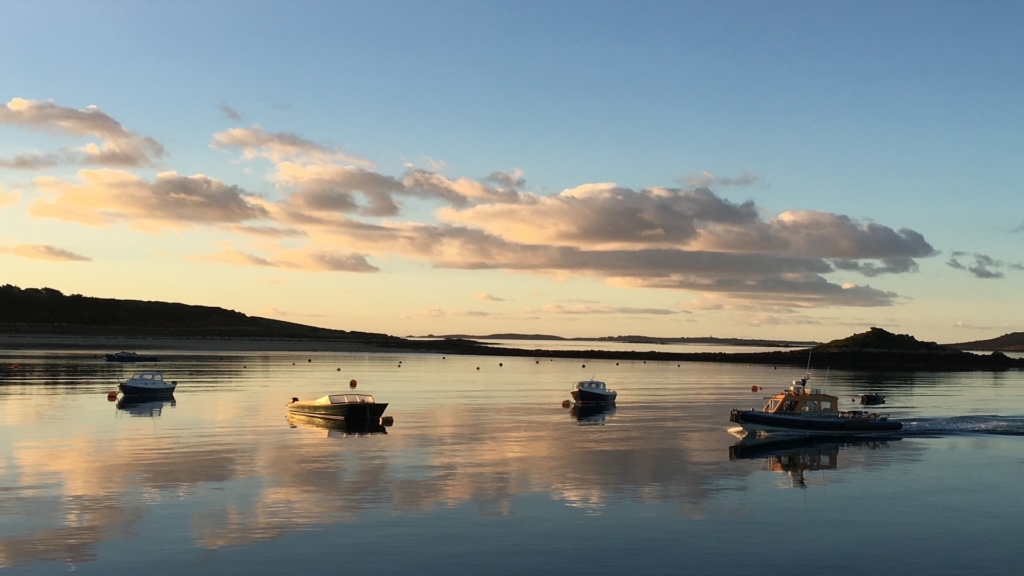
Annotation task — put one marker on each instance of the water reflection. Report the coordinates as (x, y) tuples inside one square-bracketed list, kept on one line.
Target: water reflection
[(145, 407), (338, 428), (222, 469), (593, 414), (795, 455)]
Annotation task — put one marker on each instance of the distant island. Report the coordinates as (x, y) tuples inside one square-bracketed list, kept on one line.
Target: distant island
[(44, 318), (1012, 342), (638, 340)]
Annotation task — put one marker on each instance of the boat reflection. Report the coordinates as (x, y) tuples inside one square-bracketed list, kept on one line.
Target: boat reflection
[(795, 455), (338, 428), (144, 407), (591, 414)]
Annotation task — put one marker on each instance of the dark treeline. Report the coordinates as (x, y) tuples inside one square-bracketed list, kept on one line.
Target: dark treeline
[(48, 310)]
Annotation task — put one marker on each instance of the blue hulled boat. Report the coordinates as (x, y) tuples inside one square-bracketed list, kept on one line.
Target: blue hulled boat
[(592, 392), (803, 410)]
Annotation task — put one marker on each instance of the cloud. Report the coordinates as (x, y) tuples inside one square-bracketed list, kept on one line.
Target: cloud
[(656, 237), (442, 313), (508, 180), (818, 234), (229, 112), (118, 147), (268, 231), (332, 188), (310, 260), (256, 142), (742, 274), (583, 309), (9, 198), (605, 215), (105, 197), (983, 265), (900, 265), (44, 252), (33, 161), (708, 180), (488, 297), (608, 216)]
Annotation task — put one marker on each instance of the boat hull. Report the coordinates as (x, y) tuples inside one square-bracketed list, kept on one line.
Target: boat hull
[(584, 396), (147, 391), (755, 421), (351, 411), (130, 358)]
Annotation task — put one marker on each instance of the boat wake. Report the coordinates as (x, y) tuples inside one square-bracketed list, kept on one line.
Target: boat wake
[(953, 425)]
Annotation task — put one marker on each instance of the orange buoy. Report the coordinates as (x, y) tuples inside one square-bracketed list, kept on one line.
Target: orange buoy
[(760, 387), (112, 395), (753, 388), (352, 383), (16, 366), (566, 403)]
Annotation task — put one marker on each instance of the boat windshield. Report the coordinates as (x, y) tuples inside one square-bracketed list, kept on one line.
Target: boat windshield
[(346, 399)]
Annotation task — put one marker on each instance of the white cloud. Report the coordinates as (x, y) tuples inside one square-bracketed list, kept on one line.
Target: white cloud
[(44, 252), (104, 197), (278, 146), (308, 259), (488, 297), (118, 146)]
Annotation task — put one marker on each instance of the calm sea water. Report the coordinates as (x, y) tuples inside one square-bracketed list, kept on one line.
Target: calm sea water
[(484, 472)]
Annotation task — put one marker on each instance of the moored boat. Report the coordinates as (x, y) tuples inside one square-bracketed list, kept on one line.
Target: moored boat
[(130, 357), (340, 407), (872, 399), (804, 410), (150, 383), (592, 392)]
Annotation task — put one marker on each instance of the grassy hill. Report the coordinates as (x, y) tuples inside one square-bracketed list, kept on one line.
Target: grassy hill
[(877, 339), (1012, 342), (45, 310)]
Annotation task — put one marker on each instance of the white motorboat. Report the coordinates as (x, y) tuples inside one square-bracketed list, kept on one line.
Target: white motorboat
[(592, 392), (149, 383)]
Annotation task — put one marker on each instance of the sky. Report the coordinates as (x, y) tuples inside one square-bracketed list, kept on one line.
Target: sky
[(796, 170)]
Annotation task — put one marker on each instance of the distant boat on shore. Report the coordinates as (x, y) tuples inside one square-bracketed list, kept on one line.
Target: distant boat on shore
[(130, 357)]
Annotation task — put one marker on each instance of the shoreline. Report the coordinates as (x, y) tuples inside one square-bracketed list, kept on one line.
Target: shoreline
[(868, 360)]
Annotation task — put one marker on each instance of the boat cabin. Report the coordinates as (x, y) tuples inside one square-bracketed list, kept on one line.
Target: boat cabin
[(148, 376), (591, 385), (345, 399), (802, 400)]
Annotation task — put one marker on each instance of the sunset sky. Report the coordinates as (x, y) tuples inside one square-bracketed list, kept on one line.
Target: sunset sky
[(796, 170)]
